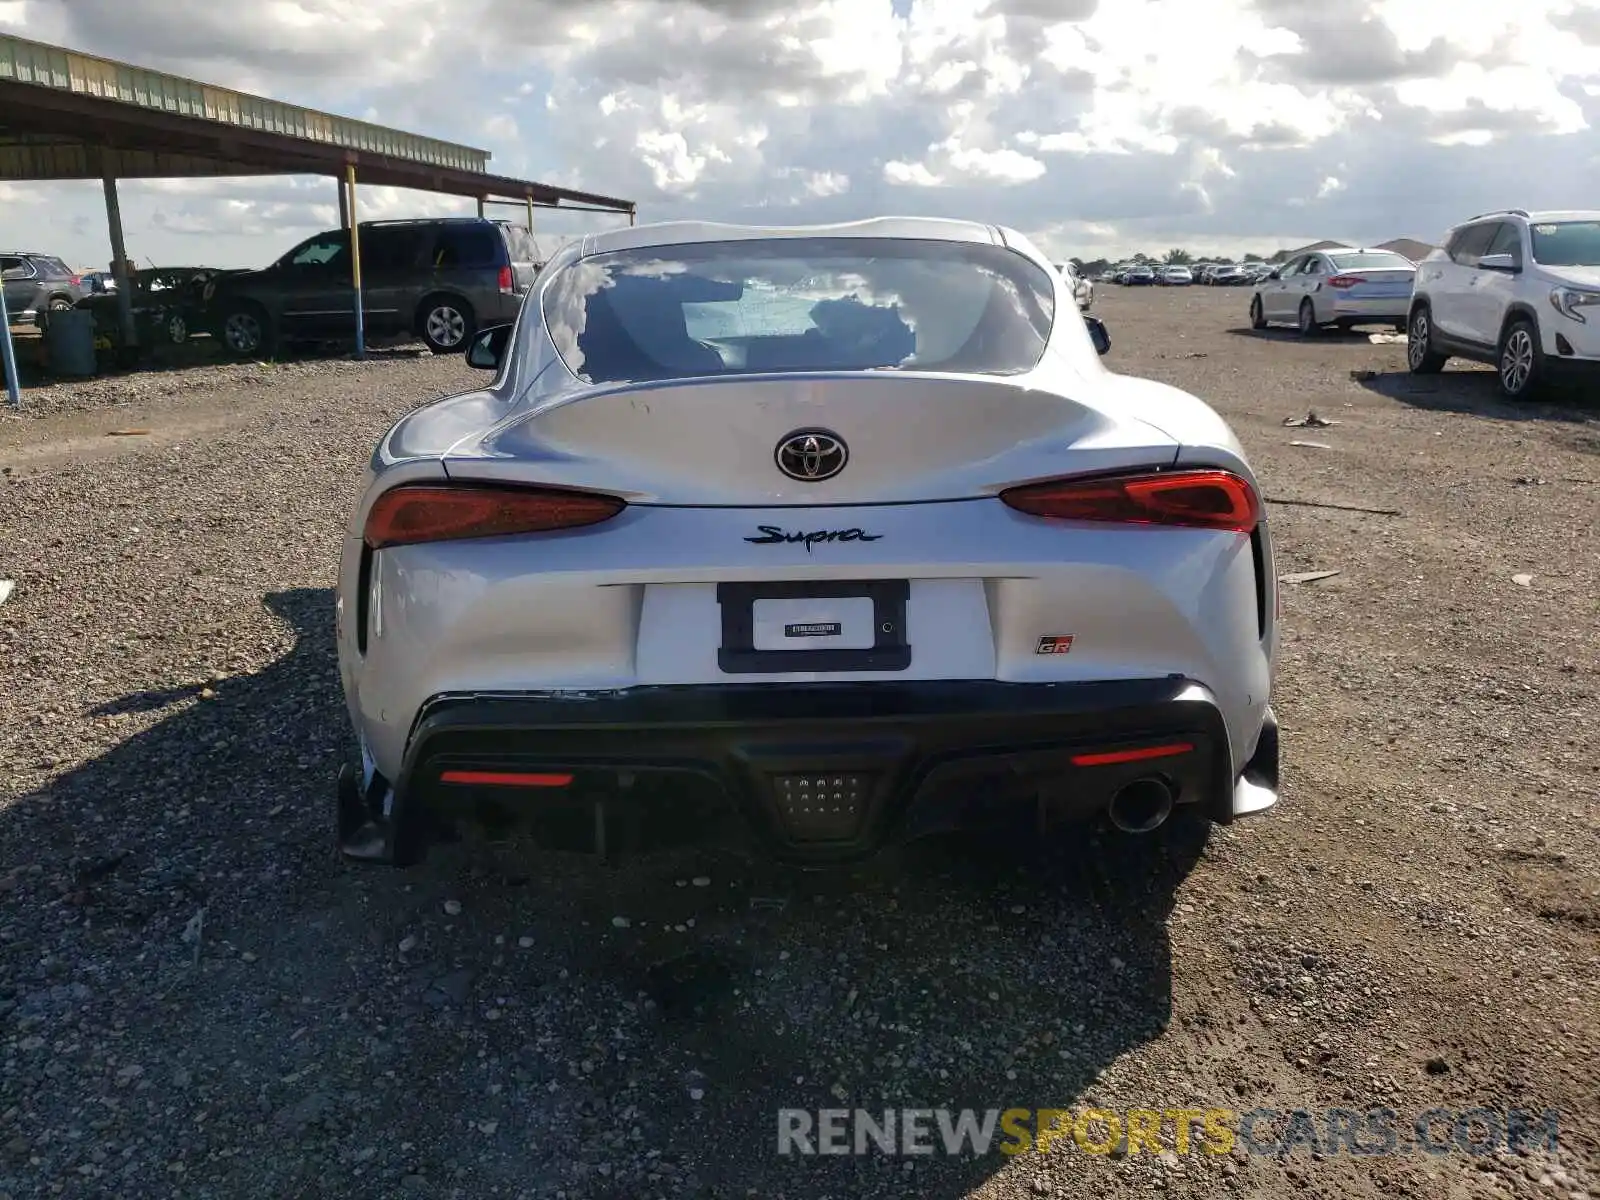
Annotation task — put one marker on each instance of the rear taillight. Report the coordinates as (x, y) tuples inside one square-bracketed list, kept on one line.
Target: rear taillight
[(433, 513), (507, 283), (1198, 499), (1346, 281), (74, 280)]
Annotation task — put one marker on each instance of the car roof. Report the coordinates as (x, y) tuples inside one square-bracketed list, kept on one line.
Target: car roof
[(683, 233), (432, 221), (1533, 218)]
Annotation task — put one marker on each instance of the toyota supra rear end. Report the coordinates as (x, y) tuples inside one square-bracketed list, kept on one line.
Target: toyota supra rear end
[(820, 538)]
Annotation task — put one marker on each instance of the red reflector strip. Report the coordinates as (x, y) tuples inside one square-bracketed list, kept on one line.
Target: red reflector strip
[(506, 779), (1110, 757)]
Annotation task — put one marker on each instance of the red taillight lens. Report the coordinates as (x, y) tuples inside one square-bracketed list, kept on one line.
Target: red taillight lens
[(1345, 281), (1110, 758), (1199, 499), (506, 282), (74, 280), (433, 513), (537, 779)]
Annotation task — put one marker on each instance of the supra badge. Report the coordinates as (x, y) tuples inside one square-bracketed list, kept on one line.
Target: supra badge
[(772, 535), (1054, 643)]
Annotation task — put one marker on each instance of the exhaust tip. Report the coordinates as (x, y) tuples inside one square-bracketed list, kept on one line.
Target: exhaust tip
[(1141, 806)]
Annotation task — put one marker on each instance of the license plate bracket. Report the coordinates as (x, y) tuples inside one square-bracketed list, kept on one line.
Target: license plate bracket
[(889, 650)]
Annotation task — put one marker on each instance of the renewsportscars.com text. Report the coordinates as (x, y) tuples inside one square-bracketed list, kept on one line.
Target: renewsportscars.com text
[(1259, 1131)]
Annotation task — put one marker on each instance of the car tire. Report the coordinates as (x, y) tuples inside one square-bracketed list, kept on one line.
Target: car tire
[(446, 324), (246, 331), (1258, 315), (1421, 357), (1519, 365), (176, 328), (1306, 319), (60, 303)]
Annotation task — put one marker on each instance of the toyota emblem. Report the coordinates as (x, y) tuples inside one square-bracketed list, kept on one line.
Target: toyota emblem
[(812, 455)]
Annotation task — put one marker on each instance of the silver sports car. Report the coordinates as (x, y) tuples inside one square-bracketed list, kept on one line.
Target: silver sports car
[(824, 538)]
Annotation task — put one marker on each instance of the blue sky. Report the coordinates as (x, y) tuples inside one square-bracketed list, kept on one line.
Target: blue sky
[(1096, 126)]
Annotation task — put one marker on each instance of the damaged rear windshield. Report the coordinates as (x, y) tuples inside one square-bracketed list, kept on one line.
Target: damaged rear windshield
[(800, 304)]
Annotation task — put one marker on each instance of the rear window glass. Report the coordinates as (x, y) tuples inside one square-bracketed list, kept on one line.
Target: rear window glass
[(800, 304), (1567, 244), (521, 242), (1371, 260), (468, 246)]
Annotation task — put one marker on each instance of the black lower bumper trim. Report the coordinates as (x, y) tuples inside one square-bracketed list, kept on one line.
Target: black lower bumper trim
[(824, 771)]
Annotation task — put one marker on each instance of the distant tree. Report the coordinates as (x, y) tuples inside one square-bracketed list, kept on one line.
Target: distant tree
[(1178, 257), (1253, 258), (1278, 256)]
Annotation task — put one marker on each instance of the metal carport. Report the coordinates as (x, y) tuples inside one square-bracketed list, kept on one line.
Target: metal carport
[(67, 116)]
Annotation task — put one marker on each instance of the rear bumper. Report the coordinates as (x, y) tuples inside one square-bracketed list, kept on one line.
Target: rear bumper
[(1388, 309), (810, 771)]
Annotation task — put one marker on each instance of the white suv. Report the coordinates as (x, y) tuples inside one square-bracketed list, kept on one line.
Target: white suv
[(1515, 289)]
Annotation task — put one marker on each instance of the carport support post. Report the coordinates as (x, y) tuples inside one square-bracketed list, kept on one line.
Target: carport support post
[(480, 206), (344, 204), (9, 352), (119, 250), (355, 264)]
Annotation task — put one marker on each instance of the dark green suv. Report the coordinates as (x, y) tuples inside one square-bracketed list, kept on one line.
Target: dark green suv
[(442, 278)]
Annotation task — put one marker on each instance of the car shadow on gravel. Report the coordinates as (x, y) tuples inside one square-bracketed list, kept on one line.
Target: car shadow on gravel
[(1331, 335), (184, 955), (1477, 393)]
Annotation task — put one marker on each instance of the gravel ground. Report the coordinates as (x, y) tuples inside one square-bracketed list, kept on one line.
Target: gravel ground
[(198, 999)]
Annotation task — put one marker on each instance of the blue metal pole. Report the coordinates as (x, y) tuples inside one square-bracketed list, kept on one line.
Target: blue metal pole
[(9, 353), (355, 264)]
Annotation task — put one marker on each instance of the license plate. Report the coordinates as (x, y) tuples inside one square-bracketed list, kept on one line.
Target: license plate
[(813, 626), (813, 623)]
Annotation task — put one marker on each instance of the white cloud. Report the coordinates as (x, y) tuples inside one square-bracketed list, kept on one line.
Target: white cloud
[(827, 183), (1121, 124)]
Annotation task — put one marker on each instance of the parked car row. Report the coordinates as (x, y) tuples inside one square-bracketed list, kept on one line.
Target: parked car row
[(1184, 274), (1519, 291), (440, 278)]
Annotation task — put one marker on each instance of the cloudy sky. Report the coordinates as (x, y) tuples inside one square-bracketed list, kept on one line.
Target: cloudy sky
[(1098, 126)]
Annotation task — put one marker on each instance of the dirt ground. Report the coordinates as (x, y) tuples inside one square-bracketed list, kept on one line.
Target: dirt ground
[(198, 999)]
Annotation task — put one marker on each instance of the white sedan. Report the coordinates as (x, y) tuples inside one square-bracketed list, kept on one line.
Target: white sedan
[(1336, 287), (1082, 289)]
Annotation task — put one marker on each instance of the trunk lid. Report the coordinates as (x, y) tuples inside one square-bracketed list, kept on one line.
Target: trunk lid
[(908, 437), (1383, 283)]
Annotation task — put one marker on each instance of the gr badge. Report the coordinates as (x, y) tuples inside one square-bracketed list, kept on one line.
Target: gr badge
[(1054, 644)]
